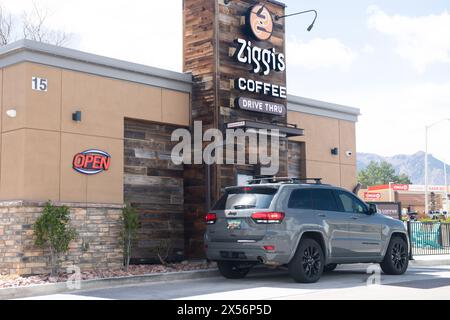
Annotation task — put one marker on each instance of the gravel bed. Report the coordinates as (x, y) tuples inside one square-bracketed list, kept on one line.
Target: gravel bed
[(12, 281)]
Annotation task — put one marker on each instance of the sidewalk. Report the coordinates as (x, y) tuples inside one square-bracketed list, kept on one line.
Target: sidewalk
[(62, 287), (435, 260)]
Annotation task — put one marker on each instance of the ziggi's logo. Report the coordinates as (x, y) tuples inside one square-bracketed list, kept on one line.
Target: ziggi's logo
[(92, 162), (260, 22)]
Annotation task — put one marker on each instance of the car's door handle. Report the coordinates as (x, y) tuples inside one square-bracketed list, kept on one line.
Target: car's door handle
[(322, 215), (354, 218)]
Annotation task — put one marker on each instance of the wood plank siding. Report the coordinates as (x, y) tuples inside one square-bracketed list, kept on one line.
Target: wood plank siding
[(210, 28), (154, 185)]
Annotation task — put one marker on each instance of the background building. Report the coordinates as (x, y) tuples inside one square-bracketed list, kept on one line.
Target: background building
[(411, 197)]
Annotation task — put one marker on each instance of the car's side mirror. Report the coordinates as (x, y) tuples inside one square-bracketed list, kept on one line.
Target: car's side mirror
[(373, 209)]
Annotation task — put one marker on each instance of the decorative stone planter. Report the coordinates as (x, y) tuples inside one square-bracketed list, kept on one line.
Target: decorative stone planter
[(96, 247)]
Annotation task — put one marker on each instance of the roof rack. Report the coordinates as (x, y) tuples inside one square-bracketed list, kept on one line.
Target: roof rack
[(271, 179)]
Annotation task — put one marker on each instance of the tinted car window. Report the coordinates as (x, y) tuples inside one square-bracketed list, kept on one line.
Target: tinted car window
[(300, 199), (350, 203), (324, 199), (246, 198)]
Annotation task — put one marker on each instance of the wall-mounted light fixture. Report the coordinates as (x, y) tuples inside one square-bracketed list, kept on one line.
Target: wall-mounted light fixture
[(298, 13), (76, 116), (12, 113), (335, 151)]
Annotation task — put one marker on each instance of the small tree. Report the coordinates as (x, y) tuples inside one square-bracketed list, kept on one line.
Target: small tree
[(53, 232), (381, 173), (162, 251), (130, 221)]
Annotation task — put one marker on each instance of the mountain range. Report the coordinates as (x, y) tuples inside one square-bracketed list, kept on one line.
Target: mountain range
[(412, 165)]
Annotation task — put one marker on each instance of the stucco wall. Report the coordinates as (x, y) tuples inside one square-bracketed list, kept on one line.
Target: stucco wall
[(321, 135), (38, 146)]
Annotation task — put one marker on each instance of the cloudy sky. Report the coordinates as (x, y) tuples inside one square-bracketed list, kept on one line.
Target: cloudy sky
[(390, 58)]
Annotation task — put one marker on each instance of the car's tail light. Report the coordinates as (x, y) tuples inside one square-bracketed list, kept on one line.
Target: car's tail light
[(268, 217), (210, 218), (269, 248)]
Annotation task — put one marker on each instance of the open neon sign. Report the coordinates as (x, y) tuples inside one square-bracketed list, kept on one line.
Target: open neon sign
[(92, 162)]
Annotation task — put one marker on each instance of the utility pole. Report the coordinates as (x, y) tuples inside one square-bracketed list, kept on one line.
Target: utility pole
[(447, 207), (390, 191), (427, 128), (426, 170)]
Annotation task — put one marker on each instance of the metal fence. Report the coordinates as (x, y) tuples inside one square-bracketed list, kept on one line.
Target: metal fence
[(429, 238)]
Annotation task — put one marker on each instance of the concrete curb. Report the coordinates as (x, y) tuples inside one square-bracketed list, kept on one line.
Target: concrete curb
[(430, 263), (56, 288)]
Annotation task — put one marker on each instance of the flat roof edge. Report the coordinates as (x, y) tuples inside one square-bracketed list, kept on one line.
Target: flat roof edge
[(322, 108), (60, 53)]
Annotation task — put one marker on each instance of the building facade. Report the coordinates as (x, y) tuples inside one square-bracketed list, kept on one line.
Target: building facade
[(94, 133), (411, 197)]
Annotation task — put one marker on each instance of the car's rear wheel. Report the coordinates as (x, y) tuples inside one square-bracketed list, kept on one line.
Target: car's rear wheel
[(396, 260), (330, 267), (233, 270), (308, 262)]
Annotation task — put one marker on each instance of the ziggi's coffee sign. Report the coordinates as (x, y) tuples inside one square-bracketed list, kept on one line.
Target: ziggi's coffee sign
[(262, 62), (259, 24), (261, 106), (92, 162)]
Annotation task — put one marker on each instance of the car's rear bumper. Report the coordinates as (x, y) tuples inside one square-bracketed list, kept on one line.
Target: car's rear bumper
[(248, 252)]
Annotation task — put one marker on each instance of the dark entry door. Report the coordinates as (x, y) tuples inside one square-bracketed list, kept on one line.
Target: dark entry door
[(296, 159)]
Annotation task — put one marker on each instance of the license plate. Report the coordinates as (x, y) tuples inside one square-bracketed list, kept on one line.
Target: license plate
[(234, 224)]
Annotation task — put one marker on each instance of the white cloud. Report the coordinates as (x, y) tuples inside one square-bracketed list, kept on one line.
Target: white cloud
[(369, 49), (422, 40), (319, 53), (394, 117), (147, 32)]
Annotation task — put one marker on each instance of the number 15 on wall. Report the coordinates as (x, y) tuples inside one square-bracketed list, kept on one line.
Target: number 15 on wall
[(39, 84)]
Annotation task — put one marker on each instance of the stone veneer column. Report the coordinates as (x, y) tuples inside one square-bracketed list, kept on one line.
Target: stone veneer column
[(96, 247)]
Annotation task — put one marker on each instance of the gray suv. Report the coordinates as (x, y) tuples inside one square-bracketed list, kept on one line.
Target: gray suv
[(308, 227)]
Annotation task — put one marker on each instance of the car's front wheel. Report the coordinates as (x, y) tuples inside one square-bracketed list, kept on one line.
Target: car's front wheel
[(396, 260), (233, 270), (308, 262)]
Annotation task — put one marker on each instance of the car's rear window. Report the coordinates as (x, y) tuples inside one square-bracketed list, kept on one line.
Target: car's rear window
[(246, 198)]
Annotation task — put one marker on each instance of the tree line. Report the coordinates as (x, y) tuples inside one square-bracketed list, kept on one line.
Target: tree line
[(380, 174), (31, 24)]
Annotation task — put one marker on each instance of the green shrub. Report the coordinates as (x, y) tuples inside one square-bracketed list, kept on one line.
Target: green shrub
[(442, 220), (130, 224), (162, 251), (53, 232)]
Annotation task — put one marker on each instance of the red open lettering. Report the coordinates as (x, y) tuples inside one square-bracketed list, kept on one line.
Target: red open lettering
[(78, 161), (97, 163), (91, 162), (106, 162)]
